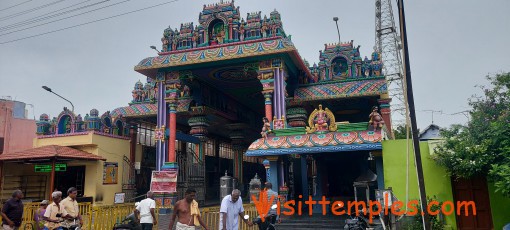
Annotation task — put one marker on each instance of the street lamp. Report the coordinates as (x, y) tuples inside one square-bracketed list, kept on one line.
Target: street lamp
[(338, 30), (154, 48), (49, 90)]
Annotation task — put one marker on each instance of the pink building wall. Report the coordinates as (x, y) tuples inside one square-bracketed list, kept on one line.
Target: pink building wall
[(18, 133)]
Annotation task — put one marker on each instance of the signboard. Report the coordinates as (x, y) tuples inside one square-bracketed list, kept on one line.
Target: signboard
[(119, 198), (47, 168), (164, 181), (110, 172)]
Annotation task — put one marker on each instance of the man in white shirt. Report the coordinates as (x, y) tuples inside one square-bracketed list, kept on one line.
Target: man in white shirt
[(54, 212), (147, 214), (231, 209)]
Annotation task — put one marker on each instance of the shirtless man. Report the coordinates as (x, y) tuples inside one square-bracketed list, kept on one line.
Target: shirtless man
[(187, 212)]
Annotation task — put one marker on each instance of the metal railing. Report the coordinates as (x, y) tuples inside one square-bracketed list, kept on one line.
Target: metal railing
[(106, 216), (211, 217)]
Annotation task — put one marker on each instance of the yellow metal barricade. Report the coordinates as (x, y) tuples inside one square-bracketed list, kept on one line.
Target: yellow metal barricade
[(106, 216), (211, 217)]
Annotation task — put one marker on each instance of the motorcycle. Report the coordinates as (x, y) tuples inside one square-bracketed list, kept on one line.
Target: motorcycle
[(357, 222), (128, 223), (65, 225), (269, 221)]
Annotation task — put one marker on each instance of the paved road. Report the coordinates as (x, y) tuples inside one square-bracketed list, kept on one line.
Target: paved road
[(164, 221)]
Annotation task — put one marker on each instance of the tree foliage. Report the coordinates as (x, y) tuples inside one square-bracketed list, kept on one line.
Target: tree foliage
[(400, 132), (482, 146)]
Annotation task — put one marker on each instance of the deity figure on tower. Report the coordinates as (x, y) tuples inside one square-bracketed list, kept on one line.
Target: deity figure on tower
[(376, 121), (266, 127)]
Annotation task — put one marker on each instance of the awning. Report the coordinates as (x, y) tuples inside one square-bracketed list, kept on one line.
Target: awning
[(50, 152), (317, 143)]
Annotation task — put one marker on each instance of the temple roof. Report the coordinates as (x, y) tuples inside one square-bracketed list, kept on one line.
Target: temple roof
[(224, 52), (332, 90), (317, 143), (147, 109), (136, 110), (49, 152)]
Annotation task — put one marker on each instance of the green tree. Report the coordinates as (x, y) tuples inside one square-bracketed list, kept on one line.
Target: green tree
[(400, 132), (482, 146)]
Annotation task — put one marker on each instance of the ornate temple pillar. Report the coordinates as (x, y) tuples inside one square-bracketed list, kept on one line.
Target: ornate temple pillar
[(133, 133), (172, 92), (272, 78), (172, 126), (283, 92), (160, 131), (266, 77), (385, 109), (268, 105), (271, 164), (230, 28), (238, 138)]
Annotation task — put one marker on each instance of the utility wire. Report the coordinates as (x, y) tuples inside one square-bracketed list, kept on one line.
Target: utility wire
[(15, 5), (41, 17), (86, 12), (86, 23), (28, 11)]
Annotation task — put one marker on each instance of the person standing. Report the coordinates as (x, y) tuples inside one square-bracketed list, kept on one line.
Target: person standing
[(187, 212), (271, 195), (12, 211), (230, 210), (71, 206), (39, 215), (147, 212)]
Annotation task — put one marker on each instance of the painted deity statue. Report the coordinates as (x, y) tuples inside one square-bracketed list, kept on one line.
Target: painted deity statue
[(321, 121), (264, 30), (164, 40), (195, 38), (185, 91), (274, 29), (241, 32), (174, 40), (138, 92), (220, 36), (68, 126), (376, 120), (266, 127)]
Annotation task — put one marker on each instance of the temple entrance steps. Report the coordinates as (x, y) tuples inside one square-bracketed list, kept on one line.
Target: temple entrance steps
[(312, 222), (319, 222)]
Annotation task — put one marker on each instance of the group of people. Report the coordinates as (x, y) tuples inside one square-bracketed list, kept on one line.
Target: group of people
[(186, 211), (61, 212), (188, 216)]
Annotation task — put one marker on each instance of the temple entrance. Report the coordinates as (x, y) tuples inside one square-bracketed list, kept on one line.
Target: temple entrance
[(74, 176), (338, 171), (143, 177)]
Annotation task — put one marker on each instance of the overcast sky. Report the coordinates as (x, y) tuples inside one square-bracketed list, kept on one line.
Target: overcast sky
[(452, 45)]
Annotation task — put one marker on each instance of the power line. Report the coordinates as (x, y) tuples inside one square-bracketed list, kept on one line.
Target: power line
[(86, 23), (86, 12), (28, 11), (15, 5), (40, 17)]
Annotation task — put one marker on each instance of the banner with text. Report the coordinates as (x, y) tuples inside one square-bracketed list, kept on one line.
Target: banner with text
[(164, 182)]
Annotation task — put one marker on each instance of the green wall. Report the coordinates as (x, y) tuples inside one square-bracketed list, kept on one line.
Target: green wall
[(500, 208), (437, 182)]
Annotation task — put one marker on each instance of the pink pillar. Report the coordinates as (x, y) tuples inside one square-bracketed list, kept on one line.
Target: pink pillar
[(171, 137)]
